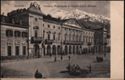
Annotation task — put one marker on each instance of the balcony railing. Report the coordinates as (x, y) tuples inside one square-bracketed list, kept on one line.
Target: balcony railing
[(73, 42), (36, 39), (48, 41)]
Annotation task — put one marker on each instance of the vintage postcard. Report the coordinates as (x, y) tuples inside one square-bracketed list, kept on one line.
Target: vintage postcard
[(59, 39)]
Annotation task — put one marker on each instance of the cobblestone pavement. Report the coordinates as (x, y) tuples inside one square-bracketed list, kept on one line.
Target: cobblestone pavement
[(49, 68)]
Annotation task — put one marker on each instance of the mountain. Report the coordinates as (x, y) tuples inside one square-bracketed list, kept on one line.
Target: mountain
[(84, 18), (78, 14)]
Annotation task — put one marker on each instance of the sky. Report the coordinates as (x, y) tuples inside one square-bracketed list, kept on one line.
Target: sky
[(94, 7)]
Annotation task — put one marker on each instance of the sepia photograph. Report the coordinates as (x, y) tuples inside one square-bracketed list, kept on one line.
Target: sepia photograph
[(55, 39)]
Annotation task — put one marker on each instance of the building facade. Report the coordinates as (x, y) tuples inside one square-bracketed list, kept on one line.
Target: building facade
[(42, 35), (13, 39)]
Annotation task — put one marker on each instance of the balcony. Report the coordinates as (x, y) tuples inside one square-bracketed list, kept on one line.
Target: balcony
[(73, 42), (36, 39), (48, 41)]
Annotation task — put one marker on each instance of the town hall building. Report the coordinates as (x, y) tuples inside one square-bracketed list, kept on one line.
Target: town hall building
[(31, 33)]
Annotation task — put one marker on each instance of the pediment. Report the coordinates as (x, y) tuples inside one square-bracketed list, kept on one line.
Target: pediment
[(72, 22)]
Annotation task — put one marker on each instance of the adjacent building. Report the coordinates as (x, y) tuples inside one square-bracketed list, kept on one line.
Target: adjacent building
[(13, 38)]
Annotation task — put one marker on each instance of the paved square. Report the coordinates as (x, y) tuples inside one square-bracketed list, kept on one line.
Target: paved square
[(51, 69)]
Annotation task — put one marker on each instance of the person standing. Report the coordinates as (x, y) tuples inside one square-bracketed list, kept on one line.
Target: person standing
[(90, 68), (61, 58), (69, 58), (38, 74)]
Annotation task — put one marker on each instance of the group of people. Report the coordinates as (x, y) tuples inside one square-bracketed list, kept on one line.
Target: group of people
[(61, 58), (74, 68)]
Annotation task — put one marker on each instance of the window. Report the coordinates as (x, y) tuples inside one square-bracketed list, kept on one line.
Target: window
[(54, 37), (9, 33), (69, 37), (53, 26), (36, 34), (35, 30), (59, 36), (82, 38), (24, 50), (35, 27), (73, 37), (36, 19), (48, 35), (43, 25), (9, 50), (65, 36), (17, 33), (79, 38), (48, 26), (24, 34), (85, 39), (43, 34), (17, 50)]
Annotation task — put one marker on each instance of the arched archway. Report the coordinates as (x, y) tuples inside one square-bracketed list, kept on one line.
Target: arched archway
[(59, 50), (85, 50), (54, 50), (77, 49), (36, 50), (70, 49), (48, 50), (44, 50), (66, 50)]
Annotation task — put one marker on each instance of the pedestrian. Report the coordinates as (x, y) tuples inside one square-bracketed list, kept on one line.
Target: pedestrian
[(69, 58), (38, 74), (50, 55), (89, 67), (55, 59), (61, 58), (69, 67), (104, 54)]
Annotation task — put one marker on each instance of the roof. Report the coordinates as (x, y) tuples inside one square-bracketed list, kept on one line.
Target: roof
[(14, 25), (90, 25), (49, 18), (72, 22)]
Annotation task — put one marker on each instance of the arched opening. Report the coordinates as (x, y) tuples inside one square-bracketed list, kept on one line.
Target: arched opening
[(36, 50), (66, 50), (9, 33), (59, 50), (77, 49), (85, 50), (54, 50), (80, 49), (44, 51), (70, 49), (48, 50), (35, 31)]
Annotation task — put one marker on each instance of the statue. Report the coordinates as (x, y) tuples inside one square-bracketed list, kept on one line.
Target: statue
[(35, 5)]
